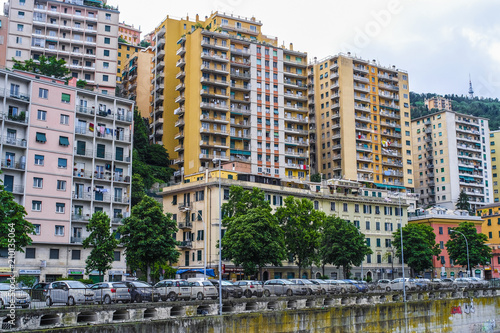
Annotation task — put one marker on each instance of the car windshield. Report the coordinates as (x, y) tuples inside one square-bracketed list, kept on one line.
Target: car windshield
[(76, 284), (307, 282), (119, 285), (287, 282), (4, 286), (207, 283), (140, 284), (227, 283)]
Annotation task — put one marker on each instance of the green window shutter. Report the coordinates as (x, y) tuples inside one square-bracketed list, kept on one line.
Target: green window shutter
[(63, 141), (119, 154), (80, 147), (66, 98), (40, 137), (101, 150)]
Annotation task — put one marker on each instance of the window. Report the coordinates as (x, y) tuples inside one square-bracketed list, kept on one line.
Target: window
[(18, 53), (61, 185), (105, 64), (36, 206), (63, 141), (65, 98), (39, 159), (105, 78), (54, 253), (75, 254), (62, 163), (43, 93), (37, 182), (107, 40), (41, 115), (60, 207), (108, 16), (440, 230), (64, 119), (116, 255), (20, 27), (30, 253), (106, 53), (19, 40), (345, 207), (40, 137), (107, 28), (36, 230)]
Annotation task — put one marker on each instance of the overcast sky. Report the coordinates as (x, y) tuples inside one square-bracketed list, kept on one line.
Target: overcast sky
[(439, 42)]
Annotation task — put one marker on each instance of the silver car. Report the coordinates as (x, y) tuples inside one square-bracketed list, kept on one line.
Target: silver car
[(397, 284), (326, 287), (479, 283), (312, 288), (20, 297), (281, 287), (463, 283), (69, 292), (251, 288), (201, 289), (111, 292), (343, 287), (382, 284), (173, 289)]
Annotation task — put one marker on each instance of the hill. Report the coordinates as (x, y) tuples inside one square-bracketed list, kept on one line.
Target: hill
[(479, 107)]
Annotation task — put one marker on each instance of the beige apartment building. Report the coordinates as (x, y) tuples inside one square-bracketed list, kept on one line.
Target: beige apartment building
[(136, 80), (439, 103), (360, 122), (83, 33)]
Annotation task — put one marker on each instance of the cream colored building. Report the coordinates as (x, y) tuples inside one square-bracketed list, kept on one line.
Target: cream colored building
[(439, 103), (451, 153), (136, 80), (495, 163), (360, 122), (195, 206)]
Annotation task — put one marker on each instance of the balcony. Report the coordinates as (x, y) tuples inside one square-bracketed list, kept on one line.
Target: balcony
[(214, 106), (186, 244), (214, 57), (10, 141), (185, 206), (185, 225), (12, 165)]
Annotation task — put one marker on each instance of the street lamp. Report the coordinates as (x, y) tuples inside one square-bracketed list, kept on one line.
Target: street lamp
[(467, 247), (215, 160), (362, 275), (403, 261), (204, 244)]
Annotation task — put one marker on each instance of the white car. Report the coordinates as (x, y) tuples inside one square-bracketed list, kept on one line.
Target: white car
[(201, 289), (21, 298), (69, 292), (312, 288), (172, 290), (397, 284)]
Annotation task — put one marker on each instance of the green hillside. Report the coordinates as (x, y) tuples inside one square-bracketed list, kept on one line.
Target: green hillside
[(480, 107)]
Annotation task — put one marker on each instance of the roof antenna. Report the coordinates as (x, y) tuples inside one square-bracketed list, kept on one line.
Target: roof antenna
[(471, 91)]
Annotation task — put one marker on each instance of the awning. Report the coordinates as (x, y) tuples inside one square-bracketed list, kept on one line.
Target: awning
[(397, 129), (63, 141), (210, 272), (240, 152), (465, 168), (390, 186), (40, 137)]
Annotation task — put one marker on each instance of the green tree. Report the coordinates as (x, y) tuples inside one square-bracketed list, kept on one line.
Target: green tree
[(342, 245), (137, 189), (419, 245), (479, 252), (463, 203), (301, 224), (148, 236), (12, 219), (254, 240), (81, 83), (45, 66), (144, 44), (241, 201), (316, 178), (103, 243)]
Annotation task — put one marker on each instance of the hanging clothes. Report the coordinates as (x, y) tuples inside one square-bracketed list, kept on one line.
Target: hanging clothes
[(91, 127)]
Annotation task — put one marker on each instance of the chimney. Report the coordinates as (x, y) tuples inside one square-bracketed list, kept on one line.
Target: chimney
[(291, 46), (72, 82)]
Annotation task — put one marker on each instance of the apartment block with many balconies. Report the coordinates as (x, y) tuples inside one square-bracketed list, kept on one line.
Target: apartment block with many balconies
[(361, 128), (83, 33), (236, 96), (66, 153), (451, 153)]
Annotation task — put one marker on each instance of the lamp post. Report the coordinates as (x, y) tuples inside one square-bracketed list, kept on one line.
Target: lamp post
[(467, 248), (204, 244), (362, 275), (403, 261), (215, 160)]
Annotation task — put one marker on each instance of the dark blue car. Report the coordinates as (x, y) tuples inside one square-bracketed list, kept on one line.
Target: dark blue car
[(360, 286)]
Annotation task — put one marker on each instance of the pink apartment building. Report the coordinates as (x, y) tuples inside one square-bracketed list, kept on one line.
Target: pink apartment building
[(66, 153)]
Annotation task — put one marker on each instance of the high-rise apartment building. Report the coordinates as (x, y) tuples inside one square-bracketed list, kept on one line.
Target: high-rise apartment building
[(451, 153), (236, 96), (491, 228), (66, 153), (495, 163), (125, 52), (439, 103), (362, 122), (83, 33), (129, 33), (136, 80)]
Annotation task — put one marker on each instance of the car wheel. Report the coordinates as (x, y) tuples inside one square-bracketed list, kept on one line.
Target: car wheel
[(248, 294), (308, 291), (71, 301), (107, 299), (171, 296), (289, 292), (138, 298), (267, 293), (200, 296), (342, 290), (407, 288), (125, 302), (388, 288), (455, 286), (48, 301)]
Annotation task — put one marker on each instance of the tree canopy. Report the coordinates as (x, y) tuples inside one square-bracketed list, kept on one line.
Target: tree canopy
[(148, 236), (103, 243), (419, 245), (463, 203), (241, 201), (50, 66), (342, 245), (301, 224), (479, 252)]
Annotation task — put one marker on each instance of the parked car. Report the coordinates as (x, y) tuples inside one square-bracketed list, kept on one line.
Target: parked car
[(435, 284), (21, 298), (311, 288), (359, 287), (420, 284), (251, 288), (447, 282), (280, 287), (201, 289), (342, 286), (69, 292), (397, 284), (173, 289), (494, 282), (111, 292), (142, 291), (39, 291), (382, 284), (479, 283), (326, 287), (463, 283), (228, 289)]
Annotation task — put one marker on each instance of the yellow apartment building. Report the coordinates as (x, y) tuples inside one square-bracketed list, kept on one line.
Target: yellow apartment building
[(495, 163), (361, 125), (451, 153), (491, 228), (125, 52), (137, 78), (223, 90)]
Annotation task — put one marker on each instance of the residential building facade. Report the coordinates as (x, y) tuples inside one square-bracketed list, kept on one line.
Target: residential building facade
[(237, 96), (451, 153), (136, 80), (125, 53), (129, 33), (4, 34), (195, 206), (439, 103), (83, 33), (66, 153), (495, 163), (491, 228), (362, 122), (442, 220)]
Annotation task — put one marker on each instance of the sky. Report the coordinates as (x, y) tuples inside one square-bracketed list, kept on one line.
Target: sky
[(439, 42)]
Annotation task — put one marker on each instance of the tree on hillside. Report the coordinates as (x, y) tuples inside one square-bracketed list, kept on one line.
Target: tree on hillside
[(342, 245), (12, 221), (463, 203), (103, 243), (148, 236), (301, 224), (479, 252), (420, 246), (45, 66)]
